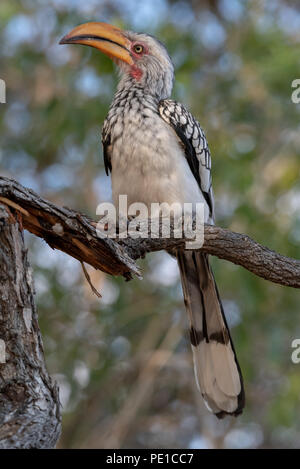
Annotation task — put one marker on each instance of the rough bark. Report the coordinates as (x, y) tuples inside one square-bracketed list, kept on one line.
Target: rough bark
[(75, 234), (29, 402)]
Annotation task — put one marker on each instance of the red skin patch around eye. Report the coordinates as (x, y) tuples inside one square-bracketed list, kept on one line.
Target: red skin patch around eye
[(136, 72)]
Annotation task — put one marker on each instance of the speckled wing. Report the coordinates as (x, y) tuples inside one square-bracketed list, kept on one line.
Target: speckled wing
[(195, 145)]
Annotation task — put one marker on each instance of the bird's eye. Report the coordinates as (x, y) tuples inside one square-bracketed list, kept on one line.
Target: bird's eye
[(138, 49)]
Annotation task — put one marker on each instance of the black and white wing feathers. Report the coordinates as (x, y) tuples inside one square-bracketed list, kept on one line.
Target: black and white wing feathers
[(195, 145)]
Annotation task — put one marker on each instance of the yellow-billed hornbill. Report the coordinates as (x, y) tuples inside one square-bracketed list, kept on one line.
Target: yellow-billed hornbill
[(157, 152)]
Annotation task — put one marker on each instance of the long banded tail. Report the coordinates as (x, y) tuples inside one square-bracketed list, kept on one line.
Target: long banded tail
[(217, 371)]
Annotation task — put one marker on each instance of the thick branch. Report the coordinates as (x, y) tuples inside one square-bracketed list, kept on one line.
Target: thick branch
[(76, 235), (29, 402), (67, 230)]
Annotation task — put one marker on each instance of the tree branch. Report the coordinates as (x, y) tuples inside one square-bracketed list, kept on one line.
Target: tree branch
[(237, 248), (67, 230), (75, 234)]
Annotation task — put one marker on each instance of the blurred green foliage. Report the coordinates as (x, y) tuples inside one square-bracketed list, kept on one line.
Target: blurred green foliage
[(123, 363)]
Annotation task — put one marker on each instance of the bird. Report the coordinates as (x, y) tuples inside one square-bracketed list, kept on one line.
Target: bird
[(156, 152)]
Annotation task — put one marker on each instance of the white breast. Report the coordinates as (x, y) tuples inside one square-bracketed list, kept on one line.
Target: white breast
[(148, 163)]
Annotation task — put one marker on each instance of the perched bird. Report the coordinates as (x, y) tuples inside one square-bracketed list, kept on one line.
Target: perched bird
[(156, 151)]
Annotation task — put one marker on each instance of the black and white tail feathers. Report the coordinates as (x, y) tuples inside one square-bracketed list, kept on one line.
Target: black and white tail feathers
[(217, 371)]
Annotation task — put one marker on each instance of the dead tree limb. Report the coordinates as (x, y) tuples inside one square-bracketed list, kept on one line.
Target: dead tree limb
[(75, 234), (67, 230), (29, 403)]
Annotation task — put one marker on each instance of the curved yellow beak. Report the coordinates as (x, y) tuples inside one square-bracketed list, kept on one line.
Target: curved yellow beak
[(105, 37)]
